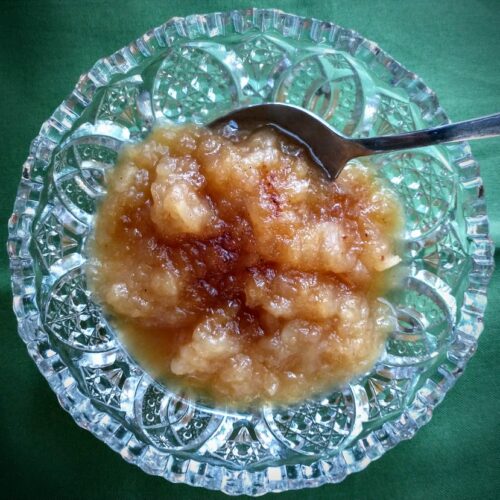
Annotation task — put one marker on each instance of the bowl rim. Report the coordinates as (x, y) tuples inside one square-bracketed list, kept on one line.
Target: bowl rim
[(357, 455)]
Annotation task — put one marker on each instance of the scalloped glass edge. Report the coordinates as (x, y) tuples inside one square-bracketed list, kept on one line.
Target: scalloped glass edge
[(272, 479)]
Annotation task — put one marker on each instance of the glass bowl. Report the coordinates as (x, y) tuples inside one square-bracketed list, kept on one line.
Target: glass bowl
[(194, 69)]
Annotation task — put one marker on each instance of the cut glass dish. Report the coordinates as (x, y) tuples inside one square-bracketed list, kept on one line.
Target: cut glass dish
[(195, 69)]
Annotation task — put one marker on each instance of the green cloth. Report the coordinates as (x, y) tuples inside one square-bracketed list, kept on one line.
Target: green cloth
[(46, 45)]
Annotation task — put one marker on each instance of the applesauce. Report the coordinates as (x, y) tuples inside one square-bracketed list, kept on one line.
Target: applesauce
[(232, 267)]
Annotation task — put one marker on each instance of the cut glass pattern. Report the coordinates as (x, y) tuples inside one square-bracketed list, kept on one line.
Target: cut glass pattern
[(196, 69)]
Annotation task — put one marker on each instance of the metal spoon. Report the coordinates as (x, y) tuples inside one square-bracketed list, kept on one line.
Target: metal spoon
[(331, 150)]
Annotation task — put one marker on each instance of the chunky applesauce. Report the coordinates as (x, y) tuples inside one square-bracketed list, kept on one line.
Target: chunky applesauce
[(231, 266)]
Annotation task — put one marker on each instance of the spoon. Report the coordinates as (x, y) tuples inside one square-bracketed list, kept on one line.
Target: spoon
[(331, 150)]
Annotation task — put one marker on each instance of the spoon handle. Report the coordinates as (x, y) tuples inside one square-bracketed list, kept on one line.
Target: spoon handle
[(477, 128)]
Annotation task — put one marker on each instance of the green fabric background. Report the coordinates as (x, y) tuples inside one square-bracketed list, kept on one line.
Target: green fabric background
[(46, 45)]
